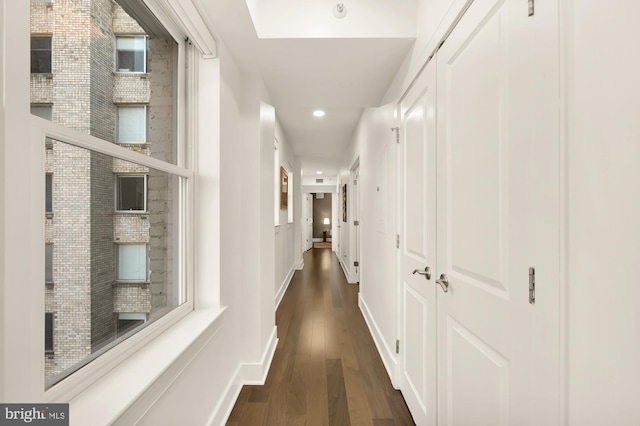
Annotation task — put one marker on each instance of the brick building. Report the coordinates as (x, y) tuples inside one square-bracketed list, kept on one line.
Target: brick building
[(108, 222)]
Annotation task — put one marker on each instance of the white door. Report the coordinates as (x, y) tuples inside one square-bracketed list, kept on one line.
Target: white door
[(418, 248), (497, 218)]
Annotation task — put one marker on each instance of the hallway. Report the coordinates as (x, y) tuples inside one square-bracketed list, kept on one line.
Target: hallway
[(326, 369)]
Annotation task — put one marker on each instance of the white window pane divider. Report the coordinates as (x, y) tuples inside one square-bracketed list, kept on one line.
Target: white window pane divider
[(73, 137)]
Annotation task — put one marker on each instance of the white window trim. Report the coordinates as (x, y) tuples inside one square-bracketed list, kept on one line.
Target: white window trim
[(115, 53), (117, 191)]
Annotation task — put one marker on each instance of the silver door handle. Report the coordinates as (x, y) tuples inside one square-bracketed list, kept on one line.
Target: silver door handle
[(444, 282), (426, 272)]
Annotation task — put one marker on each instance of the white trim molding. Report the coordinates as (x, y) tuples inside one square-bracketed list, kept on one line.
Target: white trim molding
[(284, 286), (389, 358)]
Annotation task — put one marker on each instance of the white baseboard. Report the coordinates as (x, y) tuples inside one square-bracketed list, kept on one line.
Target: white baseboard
[(388, 355), (256, 373), (347, 272), (284, 286), (299, 265), (223, 410), (246, 374)]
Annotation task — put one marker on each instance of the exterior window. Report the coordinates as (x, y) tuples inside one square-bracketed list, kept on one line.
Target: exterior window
[(48, 332), (131, 54), (106, 263), (41, 55), (127, 321), (48, 193), (42, 111), (131, 193), (132, 262), (132, 124), (48, 263)]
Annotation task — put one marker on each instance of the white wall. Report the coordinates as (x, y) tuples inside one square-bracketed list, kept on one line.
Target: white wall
[(378, 236), (285, 232), (603, 211)]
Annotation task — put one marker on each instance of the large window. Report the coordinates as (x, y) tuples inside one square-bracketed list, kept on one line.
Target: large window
[(41, 55), (131, 193), (132, 124), (119, 234), (131, 54)]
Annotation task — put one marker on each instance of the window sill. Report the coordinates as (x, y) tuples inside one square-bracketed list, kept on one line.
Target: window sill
[(114, 393), (122, 282)]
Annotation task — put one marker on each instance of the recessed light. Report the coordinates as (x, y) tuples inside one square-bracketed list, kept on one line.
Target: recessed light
[(318, 113), (319, 172)]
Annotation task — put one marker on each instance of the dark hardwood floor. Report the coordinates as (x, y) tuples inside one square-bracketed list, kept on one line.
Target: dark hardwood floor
[(326, 369)]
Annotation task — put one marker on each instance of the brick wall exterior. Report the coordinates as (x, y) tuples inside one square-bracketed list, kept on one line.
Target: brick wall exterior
[(84, 228)]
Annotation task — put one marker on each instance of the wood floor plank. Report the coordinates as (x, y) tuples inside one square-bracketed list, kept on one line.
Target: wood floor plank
[(326, 370), (338, 408)]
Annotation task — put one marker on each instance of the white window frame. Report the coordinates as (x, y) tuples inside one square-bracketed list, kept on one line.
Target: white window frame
[(145, 123), (116, 50), (41, 130), (117, 192)]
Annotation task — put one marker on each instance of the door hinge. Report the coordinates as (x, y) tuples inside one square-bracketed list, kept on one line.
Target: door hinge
[(532, 285), (356, 263), (531, 7), (355, 182), (397, 240), (397, 346), (356, 223), (397, 130)]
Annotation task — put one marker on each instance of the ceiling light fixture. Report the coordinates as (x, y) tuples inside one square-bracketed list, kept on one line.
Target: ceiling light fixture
[(339, 11), (318, 113), (319, 172)]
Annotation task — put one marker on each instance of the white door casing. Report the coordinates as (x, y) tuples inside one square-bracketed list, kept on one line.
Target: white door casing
[(418, 248), (497, 352)]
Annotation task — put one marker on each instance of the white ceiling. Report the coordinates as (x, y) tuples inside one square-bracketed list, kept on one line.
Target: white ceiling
[(313, 62)]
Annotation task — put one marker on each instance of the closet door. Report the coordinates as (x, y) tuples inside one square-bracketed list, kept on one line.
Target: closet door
[(497, 220), (418, 248)]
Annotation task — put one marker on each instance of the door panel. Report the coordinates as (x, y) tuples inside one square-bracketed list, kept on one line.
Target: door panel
[(487, 132), (418, 247)]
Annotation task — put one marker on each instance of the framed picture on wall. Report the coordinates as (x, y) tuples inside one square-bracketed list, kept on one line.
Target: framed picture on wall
[(284, 183), (344, 202)]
